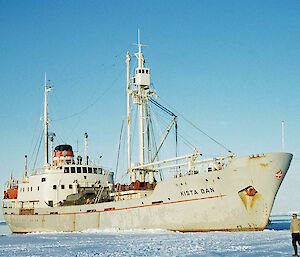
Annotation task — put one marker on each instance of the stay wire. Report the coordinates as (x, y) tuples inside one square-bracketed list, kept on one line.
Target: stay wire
[(34, 165), (119, 146), (95, 101), (35, 147), (184, 139), (154, 142), (197, 128)]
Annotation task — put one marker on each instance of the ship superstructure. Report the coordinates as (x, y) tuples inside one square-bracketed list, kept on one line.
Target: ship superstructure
[(62, 181), (225, 193)]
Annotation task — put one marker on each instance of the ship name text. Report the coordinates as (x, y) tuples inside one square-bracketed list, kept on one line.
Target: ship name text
[(197, 192)]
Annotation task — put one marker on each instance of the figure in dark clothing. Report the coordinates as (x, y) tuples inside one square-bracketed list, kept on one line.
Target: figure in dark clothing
[(295, 230)]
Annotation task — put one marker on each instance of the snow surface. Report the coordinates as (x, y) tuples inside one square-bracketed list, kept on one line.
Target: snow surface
[(146, 243)]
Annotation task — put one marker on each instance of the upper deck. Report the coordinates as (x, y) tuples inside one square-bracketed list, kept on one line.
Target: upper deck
[(51, 185)]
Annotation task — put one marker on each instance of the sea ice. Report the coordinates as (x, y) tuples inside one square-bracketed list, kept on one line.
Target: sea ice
[(275, 241), (147, 243)]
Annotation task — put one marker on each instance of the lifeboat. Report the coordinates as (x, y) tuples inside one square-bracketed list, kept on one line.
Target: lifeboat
[(11, 191)]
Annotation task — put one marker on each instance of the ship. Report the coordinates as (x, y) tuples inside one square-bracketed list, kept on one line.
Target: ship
[(187, 193)]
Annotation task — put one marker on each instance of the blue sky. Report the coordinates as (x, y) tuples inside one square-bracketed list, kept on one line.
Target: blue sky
[(232, 67)]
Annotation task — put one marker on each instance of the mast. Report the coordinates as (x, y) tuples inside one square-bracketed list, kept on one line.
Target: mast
[(46, 122), (133, 175), (141, 110), (282, 134), (141, 133), (140, 95)]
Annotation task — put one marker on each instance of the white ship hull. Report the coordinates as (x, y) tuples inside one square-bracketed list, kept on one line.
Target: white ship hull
[(211, 201)]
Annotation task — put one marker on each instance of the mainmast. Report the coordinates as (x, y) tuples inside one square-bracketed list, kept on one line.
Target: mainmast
[(141, 111), (140, 94), (140, 97), (142, 81), (46, 122)]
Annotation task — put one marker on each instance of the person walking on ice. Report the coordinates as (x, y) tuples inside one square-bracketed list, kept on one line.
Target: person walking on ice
[(295, 230)]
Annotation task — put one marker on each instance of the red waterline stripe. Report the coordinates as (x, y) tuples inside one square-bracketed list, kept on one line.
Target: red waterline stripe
[(120, 209)]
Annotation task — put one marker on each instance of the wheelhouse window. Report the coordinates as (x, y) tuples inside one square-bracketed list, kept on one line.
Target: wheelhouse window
[(100, 171), (67, 170), (72, 169), (62, 186), (90, 170), (84, 169), (70, 186), (78, 169), (95, 170), (54, 187), (43, 179)]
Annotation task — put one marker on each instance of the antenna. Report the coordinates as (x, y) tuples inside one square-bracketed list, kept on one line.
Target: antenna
[(140, 50), (282, 135), (139, 55)]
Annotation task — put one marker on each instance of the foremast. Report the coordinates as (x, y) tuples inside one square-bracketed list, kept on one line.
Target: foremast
[(46, 122)]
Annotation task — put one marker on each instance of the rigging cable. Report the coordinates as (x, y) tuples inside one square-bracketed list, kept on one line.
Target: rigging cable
[(34, 149), (57, 135), (184, 139), (197, 128), (176, 126), (119, 146), (153, 137), (162, 107), (176, 138), (34, 165), (155, 146), (95, 101)]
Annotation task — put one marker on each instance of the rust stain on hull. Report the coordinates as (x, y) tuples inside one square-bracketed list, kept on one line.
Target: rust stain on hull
[(264, 164), (254, 199), (249, 196)]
